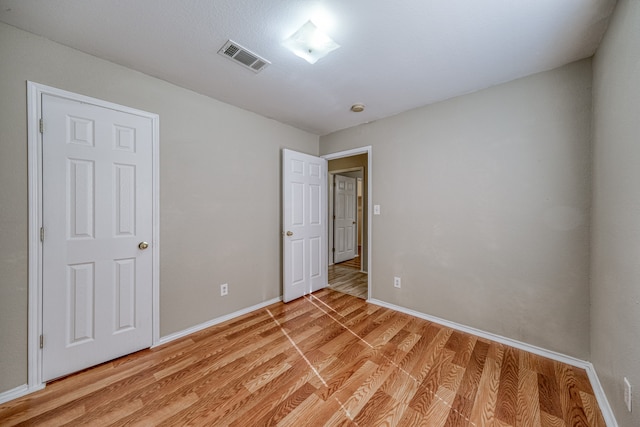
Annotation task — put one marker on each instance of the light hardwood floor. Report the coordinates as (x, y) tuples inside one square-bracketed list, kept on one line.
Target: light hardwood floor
[(348, 280), (354, 262), (325, 359)]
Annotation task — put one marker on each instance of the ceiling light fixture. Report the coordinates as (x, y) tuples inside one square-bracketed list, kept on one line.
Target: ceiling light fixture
[(309, 43), (357, 108)]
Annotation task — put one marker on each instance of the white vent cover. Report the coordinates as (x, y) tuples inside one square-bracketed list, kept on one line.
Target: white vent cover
[(243, 56)]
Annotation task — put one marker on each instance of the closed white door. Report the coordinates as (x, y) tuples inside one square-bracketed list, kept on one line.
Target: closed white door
[(97, 220), (304, 224), (344, 224)]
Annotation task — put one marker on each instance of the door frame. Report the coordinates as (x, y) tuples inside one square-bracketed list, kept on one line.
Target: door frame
[(368, 150), (34, 166)]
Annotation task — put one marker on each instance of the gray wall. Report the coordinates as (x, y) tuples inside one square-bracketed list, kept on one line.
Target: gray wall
[(615, 266), (485, 208), (219, 199)]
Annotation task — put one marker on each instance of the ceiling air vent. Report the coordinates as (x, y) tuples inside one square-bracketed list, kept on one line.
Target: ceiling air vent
[(243, 56)]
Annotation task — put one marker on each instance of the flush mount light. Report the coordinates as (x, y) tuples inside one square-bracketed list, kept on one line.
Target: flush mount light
[(310, 43), (357, 108)]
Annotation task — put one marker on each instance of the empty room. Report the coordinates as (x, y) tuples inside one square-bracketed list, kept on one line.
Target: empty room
[(296, 213)]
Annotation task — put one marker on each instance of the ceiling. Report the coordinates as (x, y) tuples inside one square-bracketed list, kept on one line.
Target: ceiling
[(394, 55)]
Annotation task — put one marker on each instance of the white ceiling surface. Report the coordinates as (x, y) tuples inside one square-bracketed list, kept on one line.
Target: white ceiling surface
[(394, 55)]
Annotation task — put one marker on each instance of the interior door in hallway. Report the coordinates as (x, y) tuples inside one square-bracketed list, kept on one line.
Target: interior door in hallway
[(345, 218), (304, 224), (97, 220)]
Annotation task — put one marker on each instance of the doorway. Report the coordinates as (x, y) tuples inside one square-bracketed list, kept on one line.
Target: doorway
[(352, 276)]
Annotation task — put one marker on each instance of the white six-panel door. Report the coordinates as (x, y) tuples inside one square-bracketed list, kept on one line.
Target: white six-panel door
[(344, 224), (304, 224), (96, 214)]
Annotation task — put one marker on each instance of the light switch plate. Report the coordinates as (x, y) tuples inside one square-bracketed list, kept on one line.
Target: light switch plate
[(376, 209)]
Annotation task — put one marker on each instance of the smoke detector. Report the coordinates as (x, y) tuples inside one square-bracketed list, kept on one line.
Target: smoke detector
[(243, 56)]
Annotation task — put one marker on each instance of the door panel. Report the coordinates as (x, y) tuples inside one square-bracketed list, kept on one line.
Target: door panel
[(97, 208), (80, 291), (124, 209), (304, 224), (125, 287), (81, 199), (344, 239)]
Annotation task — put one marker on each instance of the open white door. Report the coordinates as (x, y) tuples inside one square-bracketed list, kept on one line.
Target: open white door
[(344, 221), (97, 219), (304, 224)]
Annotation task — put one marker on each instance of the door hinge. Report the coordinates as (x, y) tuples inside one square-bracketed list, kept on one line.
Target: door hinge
[(42, 234), (41, 341), (41, 126)]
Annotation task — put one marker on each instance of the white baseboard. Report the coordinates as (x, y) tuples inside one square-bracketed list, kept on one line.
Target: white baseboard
[(607, 413), (17, 392), (213, 322)]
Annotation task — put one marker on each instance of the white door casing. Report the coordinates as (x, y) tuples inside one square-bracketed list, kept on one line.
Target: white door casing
[(304, 224), (97, 207), (345, 216)]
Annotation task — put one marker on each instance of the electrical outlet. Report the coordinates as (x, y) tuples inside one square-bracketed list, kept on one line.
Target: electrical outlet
[(224, 289), (627, 394), (397, 282)]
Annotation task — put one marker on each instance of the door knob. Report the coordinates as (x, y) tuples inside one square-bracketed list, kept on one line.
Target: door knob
[(353, 222), (289, 233), (143, 245)]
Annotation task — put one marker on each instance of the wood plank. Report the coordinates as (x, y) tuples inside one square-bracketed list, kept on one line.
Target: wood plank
[(507, 404), (592, 410), (548, 420), (549, 395), (528, 413), (484, 408), (425, 394), (438, 412), (572, 410)]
